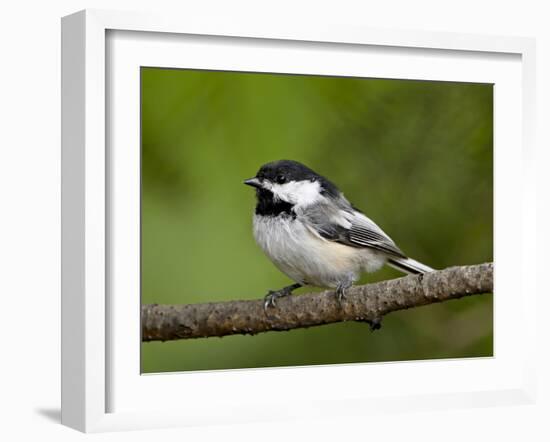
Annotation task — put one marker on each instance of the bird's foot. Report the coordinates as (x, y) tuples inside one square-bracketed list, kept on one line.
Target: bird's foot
[(341, 290), (272, 295), (340, 294)]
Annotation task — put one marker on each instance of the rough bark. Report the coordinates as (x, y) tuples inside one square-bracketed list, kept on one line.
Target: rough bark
[(367, 303)]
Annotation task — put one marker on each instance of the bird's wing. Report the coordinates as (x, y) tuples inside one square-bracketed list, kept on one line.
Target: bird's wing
[(348, 226)]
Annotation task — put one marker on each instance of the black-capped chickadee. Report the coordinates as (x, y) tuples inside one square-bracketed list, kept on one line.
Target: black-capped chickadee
[(314, 235)]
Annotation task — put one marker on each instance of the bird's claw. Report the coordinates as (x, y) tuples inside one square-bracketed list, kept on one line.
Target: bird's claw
[(272, 295), (341, 290), (340, 294), (269, 299)]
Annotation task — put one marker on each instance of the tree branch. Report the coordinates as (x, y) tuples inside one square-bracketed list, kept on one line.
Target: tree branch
[(367, 303)]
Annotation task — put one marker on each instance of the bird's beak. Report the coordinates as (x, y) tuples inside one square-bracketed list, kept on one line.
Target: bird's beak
[(254, 182)]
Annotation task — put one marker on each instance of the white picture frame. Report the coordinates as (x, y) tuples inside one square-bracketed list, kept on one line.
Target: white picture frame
[(87, 314)]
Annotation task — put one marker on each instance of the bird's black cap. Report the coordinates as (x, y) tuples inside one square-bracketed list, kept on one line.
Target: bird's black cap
[(282, 171)]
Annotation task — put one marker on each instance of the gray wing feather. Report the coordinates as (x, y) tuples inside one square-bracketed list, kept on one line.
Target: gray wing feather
[(365, 232), (344, 224)]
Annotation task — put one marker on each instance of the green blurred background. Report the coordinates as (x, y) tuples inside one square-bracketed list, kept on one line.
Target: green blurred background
[(415, 156)]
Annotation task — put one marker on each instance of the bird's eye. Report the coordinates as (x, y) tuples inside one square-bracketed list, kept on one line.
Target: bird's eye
[(280, 179)]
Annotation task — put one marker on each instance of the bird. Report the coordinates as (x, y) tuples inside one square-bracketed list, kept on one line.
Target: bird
[(314, 235)]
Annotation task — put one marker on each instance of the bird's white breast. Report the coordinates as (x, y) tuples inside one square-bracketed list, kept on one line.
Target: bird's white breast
[(306, 257)]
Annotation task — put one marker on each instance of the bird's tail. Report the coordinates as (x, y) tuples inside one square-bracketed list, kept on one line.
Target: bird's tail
[(408, 265)]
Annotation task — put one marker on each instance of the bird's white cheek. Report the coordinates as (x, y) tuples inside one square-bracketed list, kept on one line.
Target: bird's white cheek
[(301, 193)]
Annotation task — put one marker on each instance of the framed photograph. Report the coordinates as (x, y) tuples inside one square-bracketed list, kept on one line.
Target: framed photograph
[(209, 170)]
